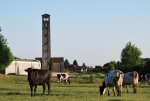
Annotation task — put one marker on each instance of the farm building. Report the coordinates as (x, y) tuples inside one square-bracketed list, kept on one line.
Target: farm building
[(74, 68), (58, 63), (19, 65)]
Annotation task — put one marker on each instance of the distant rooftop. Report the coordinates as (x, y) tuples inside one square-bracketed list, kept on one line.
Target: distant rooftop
[(19, 59)]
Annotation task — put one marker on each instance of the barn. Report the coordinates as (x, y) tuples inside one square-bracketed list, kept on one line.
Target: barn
[(58, 65)]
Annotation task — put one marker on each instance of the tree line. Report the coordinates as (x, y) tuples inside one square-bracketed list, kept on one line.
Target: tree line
[(6, 56), (130, 61)]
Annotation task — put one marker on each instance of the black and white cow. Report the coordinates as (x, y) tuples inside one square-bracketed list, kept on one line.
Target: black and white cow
[(131, 78), (145, 78), (113, 78), (63, 77)]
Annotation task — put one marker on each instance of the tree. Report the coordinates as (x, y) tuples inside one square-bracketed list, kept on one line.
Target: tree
[(111, 67), (114, 64), (98, 69), (105, 67), (66, 63), (118, 65), (75, 62), (130, 57), (6, 56), (84, 64)]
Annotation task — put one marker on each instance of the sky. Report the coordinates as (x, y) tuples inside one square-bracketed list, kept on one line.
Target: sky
[(93, 32)]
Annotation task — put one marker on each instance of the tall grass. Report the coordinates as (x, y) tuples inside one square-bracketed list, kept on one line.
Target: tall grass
[(16, 88)]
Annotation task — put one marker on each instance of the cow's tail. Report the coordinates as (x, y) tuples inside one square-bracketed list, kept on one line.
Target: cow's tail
[(136, 75)]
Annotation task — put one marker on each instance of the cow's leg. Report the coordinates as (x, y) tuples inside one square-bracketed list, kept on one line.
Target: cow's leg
[(118, 88), (127, 88), (114, 91), (44, 87), (31, 87), (48, 84), (135, 87), (64, 82), (58, 82), (69, 81), (108, 91), (35, 89)]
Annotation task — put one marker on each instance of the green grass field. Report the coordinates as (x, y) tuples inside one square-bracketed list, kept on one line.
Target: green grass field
[(16, 88)]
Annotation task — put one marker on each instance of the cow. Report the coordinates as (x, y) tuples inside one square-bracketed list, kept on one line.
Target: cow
[(131, 78), (38, 77), (145, 78), (63, 77), (113, 79)]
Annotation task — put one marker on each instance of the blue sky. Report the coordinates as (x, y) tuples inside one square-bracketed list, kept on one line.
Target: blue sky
[(93, 32)]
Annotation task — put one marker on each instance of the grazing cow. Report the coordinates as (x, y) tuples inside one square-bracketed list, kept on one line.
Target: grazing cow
[(63, 77), (38, 77), (131, 78), (113, 79), (145, 78)]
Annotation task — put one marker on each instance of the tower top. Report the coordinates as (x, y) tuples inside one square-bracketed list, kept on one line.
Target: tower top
[(46, 15)]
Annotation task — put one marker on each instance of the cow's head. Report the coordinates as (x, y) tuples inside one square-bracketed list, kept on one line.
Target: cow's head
[(102, 89), (28, 69)]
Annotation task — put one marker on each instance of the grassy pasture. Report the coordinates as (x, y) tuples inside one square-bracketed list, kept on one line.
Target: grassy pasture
[(16, 88)]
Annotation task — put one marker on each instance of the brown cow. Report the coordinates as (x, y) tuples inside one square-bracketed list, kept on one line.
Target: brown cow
[(38, 77), (131, 78)]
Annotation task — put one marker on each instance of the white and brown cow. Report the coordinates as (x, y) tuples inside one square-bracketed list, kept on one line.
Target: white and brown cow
[(131, 78), (113, 79), (63, 77)]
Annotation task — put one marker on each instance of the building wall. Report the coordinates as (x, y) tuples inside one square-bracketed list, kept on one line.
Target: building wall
[(58, 67), (18, 67), (58, 63)]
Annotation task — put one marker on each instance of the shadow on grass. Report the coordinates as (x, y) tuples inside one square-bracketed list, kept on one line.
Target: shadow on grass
[(25, 94), (5, 89), (144, 86), (59, 95), (14, 93)]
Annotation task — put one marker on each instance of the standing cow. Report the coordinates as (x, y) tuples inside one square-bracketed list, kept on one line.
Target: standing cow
[(113, 79), (63, 77), (38, 77), (131, 78), (145, 78)]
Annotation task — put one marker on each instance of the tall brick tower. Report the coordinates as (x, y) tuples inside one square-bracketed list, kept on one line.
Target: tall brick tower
[(46, 42)]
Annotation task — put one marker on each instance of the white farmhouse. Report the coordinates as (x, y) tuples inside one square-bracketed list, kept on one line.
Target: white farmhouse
[(19, 65)]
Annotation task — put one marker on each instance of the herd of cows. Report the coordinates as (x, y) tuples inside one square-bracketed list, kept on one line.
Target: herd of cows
[(114, 78)]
